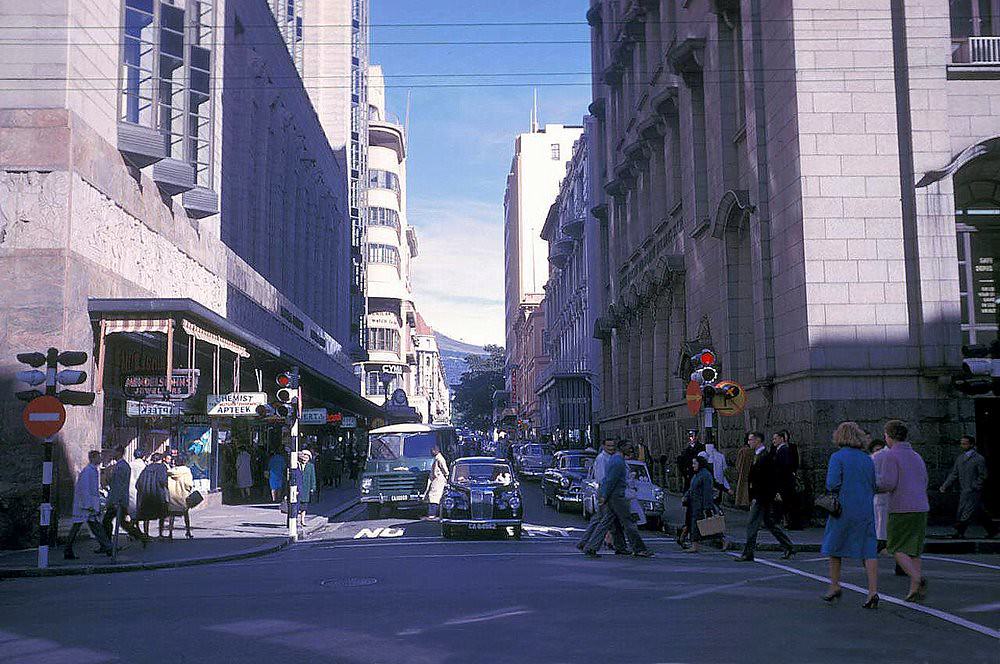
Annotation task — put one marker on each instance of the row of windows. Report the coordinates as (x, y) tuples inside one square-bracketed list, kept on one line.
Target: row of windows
[(383, 180), (383, 253), (374, 386), (379, 216), (383, 339)]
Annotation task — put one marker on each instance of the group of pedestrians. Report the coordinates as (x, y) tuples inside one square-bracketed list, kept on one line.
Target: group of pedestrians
[(138, 491), (613, 513)]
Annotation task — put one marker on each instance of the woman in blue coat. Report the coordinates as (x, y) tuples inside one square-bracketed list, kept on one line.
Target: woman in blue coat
[(700, 498), (851, 476)]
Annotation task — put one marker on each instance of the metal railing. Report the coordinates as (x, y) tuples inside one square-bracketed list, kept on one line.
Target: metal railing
[(984, 50)]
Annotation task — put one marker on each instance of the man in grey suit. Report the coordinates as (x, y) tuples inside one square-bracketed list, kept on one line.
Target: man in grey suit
[(117, 504), (611, 495), (970, 473)]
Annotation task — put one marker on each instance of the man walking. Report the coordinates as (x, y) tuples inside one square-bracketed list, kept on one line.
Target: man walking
[(118, 496), (762, 489), (786, 464), (969, 472), (611, 495), (600, 470), (686, 457), (87, 507), (903, 475)]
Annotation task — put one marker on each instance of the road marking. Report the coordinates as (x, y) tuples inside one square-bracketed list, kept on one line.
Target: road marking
[(484, 617), (936, 613), (726, 586), (372, 533), (973, 563), (982, 608)]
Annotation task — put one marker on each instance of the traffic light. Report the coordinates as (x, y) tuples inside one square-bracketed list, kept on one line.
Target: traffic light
[(51, 377), (288, 384), (706, 372), (980, 369)]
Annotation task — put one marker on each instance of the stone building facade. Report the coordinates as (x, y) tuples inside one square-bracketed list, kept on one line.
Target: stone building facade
[(570, 385), (150, 212), (780, 183)]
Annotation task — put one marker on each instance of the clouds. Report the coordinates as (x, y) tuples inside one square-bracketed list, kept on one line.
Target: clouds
[(458, 276)]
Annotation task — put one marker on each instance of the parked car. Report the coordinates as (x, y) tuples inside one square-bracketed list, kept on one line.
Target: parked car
[(650, 495), (562, 484), (533, 460), (482, 495)]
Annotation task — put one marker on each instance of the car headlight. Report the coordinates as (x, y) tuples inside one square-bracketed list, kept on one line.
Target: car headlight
[(515, 502), (366, 484), (565, 482), (449, 503)]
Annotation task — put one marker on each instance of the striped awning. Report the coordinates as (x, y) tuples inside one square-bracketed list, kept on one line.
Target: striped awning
[(121, 325), (202, 334)]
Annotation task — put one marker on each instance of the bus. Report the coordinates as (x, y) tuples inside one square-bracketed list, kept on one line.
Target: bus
[(398, 463)]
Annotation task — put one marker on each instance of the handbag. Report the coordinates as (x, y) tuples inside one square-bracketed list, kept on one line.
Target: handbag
[(194, 499), (829, 503), (283, 506), (712, 524)]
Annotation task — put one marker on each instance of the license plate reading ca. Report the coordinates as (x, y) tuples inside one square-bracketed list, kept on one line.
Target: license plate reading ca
[(481, 526), (398, 498)]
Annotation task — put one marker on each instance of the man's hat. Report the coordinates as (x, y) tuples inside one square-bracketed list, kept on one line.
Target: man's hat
[(692, 432)]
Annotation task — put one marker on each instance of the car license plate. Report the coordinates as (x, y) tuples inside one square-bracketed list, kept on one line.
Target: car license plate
[(398, 498), (481, 526)]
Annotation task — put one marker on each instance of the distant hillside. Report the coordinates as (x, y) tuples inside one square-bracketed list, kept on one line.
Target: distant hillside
[(453, 354)]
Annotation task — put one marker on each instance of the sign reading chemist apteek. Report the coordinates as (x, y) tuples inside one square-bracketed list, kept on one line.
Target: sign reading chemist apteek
[(235, 404)]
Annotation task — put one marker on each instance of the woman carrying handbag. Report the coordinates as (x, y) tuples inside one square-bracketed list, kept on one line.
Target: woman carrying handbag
[(701, 500), (850, 526)]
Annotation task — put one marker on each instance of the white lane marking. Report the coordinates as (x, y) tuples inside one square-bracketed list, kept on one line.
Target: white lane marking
[(982, 608), (726, 586), (937, 613), (959, 561), (483, 617)]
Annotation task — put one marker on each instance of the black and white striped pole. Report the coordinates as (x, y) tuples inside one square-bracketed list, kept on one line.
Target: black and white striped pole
[(290, 406)]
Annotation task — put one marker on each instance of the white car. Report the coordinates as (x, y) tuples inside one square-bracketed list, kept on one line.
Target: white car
[(649, 495)]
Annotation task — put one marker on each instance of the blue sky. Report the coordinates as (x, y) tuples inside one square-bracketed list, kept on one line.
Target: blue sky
[(461, 138)]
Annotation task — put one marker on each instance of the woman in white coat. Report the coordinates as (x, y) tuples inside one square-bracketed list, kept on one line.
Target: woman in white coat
[(436, 482)]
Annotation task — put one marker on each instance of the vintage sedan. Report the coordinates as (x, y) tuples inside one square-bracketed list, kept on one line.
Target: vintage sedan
[(533, 460), (482, 495), (649, 495), (562, 484)]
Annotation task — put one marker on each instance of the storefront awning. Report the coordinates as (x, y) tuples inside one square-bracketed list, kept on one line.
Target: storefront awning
[(213, 338)]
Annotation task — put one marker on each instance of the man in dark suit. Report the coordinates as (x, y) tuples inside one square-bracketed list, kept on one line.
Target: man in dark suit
[(786, 464), (763, 489), (687, 455)]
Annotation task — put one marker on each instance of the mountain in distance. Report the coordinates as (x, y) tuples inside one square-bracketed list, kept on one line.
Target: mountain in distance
[(453, 354)]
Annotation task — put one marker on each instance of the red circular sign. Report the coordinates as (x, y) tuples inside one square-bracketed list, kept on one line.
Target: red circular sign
[(693, 396), (44, 416)]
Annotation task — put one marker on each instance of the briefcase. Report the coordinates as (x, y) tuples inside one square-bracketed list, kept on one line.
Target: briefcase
[(712, 525), (194, 499)]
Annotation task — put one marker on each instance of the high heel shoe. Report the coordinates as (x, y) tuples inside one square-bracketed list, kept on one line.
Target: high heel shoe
[(830, 598), (872, 603)]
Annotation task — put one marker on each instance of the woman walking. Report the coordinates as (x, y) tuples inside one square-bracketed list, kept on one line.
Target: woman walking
[(307, 484), (700, 499), (875, 450), (151, 493), (851, 534), (244, 474), (276, 467), (180, 484), (435, 483)]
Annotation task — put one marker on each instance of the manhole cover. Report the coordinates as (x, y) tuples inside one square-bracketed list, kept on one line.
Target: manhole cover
[(350, 581)]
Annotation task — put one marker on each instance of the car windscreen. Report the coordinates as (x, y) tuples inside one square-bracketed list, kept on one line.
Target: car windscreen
[(639, 472), (391, 446), (578, 462), (536, 450), (484, 472)]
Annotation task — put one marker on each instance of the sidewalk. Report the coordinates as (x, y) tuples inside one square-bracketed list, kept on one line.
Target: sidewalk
[(810, 539), (223, 532)]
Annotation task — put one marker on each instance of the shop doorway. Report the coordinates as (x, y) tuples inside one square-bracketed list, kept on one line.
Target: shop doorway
[(988, 440)]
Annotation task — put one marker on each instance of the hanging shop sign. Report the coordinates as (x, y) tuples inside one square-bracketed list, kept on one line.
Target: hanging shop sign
[(235, 404), (349, 422), (145, 384), (313, 416), (151, 409)]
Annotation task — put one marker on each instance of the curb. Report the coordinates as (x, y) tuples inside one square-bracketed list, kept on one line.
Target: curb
[(25, 572)]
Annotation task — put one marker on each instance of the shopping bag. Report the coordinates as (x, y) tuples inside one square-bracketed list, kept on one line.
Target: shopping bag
[(194, 499), (714, 524)]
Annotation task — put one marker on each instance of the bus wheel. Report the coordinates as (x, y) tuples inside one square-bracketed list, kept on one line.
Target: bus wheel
[(373, 510)]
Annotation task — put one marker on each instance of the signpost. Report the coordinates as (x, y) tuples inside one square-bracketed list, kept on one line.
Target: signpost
[(44, 416), (235, 404), (730, 398), (693, 396), (151, 409)]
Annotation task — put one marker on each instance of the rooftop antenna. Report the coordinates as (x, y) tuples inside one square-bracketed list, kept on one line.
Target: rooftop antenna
[(534, 111)]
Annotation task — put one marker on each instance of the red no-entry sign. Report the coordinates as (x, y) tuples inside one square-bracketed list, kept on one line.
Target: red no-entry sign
[(44, 416)]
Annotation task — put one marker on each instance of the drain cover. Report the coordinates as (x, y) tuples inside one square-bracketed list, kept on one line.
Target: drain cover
[(350, 581)]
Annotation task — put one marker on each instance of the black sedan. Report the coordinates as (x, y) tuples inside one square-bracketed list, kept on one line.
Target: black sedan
[(482, 495), (562, 484)]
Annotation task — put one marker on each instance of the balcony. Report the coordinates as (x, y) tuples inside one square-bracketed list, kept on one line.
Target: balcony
[(569, 367), (975, 57), (573, 225)]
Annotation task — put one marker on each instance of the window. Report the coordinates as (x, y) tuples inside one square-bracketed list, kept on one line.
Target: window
[(555, 152), (379, 216), (383, 339), (383, 253), (379, 179)]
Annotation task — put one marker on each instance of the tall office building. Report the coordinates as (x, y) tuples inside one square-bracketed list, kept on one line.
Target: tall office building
[(335, 70), (538, 166)]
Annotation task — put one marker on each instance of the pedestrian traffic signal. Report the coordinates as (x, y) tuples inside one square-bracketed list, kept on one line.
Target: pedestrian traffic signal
[(288, 379), (52, 377), (31, 359)]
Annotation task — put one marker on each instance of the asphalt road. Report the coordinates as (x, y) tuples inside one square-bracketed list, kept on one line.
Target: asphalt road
[(393, 591)]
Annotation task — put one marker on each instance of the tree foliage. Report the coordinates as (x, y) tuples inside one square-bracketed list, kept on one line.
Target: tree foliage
[(483, 376)]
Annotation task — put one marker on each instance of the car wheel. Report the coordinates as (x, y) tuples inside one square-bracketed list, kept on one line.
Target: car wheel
[(373, 510), (517, 532)]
